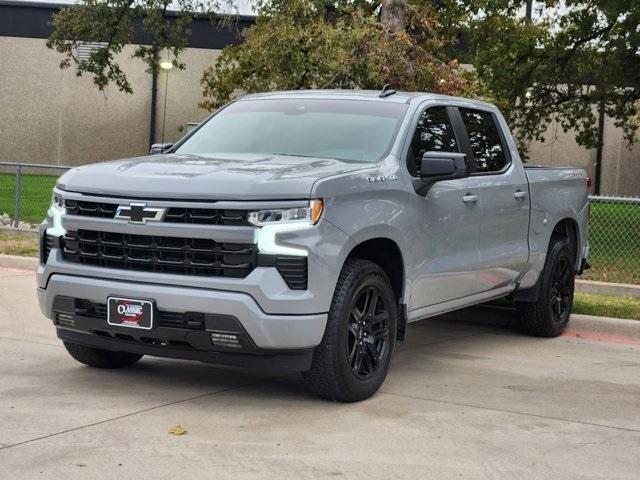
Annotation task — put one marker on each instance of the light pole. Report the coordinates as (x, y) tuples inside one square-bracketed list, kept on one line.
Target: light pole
[(166, 66)]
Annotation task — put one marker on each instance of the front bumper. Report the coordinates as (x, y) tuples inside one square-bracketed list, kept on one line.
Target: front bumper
[(266, 331)]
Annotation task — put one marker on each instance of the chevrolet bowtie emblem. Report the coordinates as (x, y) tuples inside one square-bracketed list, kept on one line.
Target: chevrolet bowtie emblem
[(140, 213)]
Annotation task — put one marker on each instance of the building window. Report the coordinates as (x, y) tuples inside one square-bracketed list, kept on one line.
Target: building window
[(85, 49)]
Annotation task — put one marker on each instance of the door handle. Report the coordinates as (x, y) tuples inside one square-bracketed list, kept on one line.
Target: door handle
[(468, 198), (519, 194)]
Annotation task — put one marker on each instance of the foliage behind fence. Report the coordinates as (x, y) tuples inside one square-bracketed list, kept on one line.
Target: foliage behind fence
[(25, 190), (614, 226), (614, 240)]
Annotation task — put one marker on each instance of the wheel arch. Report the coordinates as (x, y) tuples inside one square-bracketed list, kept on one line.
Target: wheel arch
[(386, 253), (566, 228)]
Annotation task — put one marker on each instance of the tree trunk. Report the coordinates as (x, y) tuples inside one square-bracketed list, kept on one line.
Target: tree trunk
[(393, 14)]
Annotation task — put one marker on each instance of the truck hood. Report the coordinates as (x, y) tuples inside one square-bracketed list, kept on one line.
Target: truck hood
[(232, 177)]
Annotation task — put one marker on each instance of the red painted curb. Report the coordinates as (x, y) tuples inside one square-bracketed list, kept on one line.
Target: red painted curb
[(599, 337)]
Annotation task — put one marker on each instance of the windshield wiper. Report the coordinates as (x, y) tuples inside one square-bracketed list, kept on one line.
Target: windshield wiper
[(293, 155)]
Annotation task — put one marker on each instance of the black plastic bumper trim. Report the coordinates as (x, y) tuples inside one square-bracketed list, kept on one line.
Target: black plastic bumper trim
[(278, 361)]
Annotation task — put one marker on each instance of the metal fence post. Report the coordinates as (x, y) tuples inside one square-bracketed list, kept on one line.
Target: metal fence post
[(16, 212)]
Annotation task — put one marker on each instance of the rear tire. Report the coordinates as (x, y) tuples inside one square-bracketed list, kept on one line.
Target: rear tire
[(352, 361), (98, 358), (549, 315)]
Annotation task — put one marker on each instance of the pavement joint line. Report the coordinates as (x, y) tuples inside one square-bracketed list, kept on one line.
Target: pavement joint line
[(31, 341), (514, 412), (438, 342), (130, 414)]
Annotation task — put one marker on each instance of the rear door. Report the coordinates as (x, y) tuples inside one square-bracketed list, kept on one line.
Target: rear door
[(504, 193)]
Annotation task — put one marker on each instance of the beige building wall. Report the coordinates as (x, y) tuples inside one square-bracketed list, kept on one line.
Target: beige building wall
[(53, 116), (184, 93), (620, 162)]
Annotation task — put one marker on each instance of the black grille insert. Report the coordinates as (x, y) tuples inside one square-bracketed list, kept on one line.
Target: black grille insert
[(192, 256), (202, 216), (90, 209), (47, 243), (293, 271)]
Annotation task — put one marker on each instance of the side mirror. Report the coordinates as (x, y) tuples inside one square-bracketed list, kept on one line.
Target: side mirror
[(438, 166), (160, 148)]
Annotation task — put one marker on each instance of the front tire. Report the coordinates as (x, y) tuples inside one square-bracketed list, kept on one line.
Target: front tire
[(352, 361), (549, 315), (98, 358)]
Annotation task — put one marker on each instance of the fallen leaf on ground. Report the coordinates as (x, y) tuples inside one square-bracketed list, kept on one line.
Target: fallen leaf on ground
[(177, 430)]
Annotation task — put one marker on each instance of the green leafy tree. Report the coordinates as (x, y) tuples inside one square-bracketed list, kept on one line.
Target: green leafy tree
[(572, 59), (294, 44), (298, 44), (114, 23)]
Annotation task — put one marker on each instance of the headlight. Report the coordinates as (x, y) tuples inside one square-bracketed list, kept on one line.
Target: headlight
[(57, 202), (281, 216), (56, 210)]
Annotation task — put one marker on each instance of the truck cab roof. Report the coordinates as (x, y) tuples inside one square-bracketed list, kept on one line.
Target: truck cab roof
[(370, 95)]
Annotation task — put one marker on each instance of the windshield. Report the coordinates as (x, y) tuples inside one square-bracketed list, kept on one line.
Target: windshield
[(351, 130)]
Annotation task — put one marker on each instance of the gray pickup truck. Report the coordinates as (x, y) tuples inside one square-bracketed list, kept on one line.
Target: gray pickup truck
[(302, 231)]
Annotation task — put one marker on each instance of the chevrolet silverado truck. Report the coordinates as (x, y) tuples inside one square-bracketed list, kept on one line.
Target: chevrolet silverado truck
[(302, 231)]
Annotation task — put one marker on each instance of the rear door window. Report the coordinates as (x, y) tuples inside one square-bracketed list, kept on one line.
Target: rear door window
[(484, 137)]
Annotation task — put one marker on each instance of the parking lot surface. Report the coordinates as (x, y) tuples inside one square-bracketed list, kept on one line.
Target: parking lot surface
[(461, 401)]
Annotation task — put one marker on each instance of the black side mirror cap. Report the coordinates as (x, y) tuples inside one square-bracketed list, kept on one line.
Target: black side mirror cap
[(160, 148), (438, 166)]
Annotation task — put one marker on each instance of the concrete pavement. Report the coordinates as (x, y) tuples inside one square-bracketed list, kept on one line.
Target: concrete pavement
[(462, 401)]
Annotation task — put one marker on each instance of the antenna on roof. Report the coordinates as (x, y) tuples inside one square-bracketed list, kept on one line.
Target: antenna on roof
[(386, 91)]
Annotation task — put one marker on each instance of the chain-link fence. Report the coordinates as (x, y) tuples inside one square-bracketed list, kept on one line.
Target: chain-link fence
[(614, 240), (25, 192), (614, 226)]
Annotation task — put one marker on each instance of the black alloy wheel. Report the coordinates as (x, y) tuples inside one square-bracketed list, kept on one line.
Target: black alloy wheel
[(368, 332), (561, 288)]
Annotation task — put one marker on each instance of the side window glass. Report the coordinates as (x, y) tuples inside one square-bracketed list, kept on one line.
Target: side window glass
[(434, 133), (485, 140)]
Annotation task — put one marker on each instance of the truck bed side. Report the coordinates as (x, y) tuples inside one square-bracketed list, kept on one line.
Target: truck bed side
[(556, 194)]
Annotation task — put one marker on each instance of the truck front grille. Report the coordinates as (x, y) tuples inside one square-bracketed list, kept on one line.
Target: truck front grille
[(191, 256), (201, 216)]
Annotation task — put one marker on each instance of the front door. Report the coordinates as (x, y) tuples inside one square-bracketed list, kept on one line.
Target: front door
[(444, 258)]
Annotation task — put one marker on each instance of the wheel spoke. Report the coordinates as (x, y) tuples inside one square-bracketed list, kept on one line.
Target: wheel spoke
[(379, 317), (380, 333), (353, 330), (357, 363), (372, 355), (357, 314), (370, 363), (372, 301), (558, 269), (352, 353)]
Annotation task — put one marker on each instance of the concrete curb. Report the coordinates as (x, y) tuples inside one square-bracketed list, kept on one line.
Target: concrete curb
[(22, 263), (19, 231), (505, 317), (607, 288), (605, 326)]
